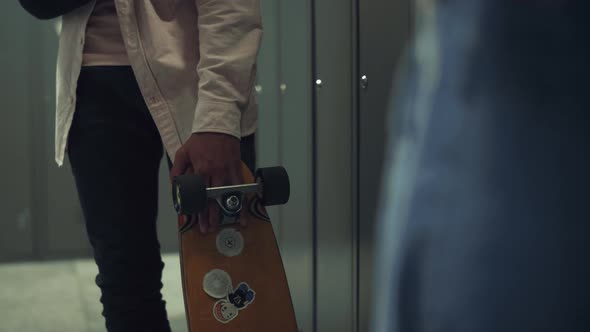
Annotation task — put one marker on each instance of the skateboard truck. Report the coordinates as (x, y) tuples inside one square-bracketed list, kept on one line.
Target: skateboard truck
[(230, 200), (190, 195)]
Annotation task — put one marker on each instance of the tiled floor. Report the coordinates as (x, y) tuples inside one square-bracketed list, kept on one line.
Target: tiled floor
[(62, 297)]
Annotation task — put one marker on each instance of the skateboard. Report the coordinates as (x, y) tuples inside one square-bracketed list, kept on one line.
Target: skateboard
[(234, 279)]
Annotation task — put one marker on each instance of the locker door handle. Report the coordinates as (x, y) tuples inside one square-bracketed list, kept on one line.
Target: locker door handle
[(319, 83), (364, 82)]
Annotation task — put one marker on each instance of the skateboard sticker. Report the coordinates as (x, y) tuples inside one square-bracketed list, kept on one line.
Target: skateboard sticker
[(227, 309), (230, 242), (224, 311), (242, 296), (217, 284), (258, 210)]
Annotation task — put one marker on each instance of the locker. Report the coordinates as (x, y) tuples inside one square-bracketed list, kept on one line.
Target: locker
[(285, 138), (334, 179), (358, 45), (16, 187)]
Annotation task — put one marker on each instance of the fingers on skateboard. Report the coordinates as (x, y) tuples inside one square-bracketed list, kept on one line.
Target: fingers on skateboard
[(190, 194)]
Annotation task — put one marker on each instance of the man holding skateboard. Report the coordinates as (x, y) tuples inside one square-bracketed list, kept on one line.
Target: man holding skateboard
[(134, 77)]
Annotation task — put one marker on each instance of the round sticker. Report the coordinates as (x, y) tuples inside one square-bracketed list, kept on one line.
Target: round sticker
[(217, 284), (224, 311), (230, 242)]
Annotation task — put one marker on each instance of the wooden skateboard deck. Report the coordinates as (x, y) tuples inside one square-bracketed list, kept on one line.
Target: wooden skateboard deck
[(248, 261)]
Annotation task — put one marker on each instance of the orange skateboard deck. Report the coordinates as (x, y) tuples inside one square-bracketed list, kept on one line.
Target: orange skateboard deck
[(234, 279)]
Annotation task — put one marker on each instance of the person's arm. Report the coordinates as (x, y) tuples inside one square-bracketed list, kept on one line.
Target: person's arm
[(47, 9), (230, 33)]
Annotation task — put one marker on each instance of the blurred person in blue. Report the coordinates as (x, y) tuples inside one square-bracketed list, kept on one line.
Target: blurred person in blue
[(484, 218)]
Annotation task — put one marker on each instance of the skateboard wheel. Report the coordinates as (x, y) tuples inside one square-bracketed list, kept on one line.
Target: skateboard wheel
[(275, 185), (189, 194), (217, 284)]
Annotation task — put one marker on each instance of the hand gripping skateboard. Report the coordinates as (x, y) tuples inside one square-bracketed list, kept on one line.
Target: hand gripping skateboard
[(234, 279)]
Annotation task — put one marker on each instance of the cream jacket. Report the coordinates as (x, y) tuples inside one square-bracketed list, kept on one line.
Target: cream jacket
[(194, 61)]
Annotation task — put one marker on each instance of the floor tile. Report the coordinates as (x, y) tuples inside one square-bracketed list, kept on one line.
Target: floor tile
[(62, 297), (40, 297)]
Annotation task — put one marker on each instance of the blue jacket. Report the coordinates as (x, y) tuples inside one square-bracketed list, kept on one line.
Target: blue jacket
[(485, 218)]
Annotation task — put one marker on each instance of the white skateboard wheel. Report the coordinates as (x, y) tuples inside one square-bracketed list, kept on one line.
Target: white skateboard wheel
[(217, 284), (230, 242)]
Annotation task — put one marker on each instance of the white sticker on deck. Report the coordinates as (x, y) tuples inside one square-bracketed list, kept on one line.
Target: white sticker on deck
[(224, 311), (237, 300), (230, 242), (217, 284)]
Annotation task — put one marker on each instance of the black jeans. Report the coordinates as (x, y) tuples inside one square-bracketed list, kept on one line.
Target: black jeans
[(115, 152)]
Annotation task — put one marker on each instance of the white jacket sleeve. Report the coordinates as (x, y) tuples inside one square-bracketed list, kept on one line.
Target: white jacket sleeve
[(230, 33)]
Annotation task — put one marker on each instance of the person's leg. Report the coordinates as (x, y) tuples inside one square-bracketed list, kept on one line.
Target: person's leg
[(248, 151), (115, 152)]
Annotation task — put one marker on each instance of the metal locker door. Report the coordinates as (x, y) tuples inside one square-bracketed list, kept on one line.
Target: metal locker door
[(384, 30), (268, 97), (295, 139), (334, 137), (17, 104), (284, 138)]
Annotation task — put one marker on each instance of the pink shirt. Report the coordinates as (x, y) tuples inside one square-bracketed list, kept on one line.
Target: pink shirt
[(104, 44)]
